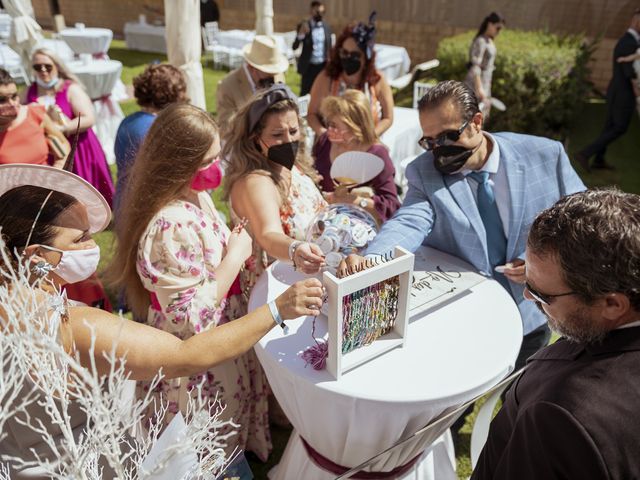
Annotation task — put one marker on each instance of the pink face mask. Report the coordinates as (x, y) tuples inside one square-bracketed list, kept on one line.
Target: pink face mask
[(336, 136), (207, 178)]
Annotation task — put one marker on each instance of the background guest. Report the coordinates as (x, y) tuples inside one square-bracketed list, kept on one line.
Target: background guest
[(621, 99), (269, 179), (315, 36), (353, 65), (209, 12), (56, 86), (24, 130), (177, 261), (482, 57), (350, 128), (155, 88), (263, 66)]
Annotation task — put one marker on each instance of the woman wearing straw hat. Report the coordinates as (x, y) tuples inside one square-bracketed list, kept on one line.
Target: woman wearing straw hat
[(47, 217), (264, 64)]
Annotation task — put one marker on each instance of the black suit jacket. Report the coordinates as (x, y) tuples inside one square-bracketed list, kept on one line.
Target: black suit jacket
[(307, 45), (573, 414), (623, 72)]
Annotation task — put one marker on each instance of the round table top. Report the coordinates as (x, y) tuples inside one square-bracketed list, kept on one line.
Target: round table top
[(452, 353), (86, 32), (94, 67)]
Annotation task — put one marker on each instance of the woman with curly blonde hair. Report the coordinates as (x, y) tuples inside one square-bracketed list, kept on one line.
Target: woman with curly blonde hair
[(270, 181)]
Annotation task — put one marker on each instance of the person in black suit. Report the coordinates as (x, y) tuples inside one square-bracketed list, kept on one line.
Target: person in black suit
[(621, 95), (575, 411), (315, 36), (209, 12)]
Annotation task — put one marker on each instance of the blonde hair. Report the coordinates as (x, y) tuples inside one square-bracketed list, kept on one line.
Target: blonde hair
[(354, 109), (242, 155), (63, 70), (169, 157)]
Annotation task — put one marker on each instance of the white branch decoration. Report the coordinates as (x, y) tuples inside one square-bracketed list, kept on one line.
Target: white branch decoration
[(83, 423)]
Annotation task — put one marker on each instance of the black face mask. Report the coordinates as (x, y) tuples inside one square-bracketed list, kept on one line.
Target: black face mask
[(265, 83), (284, 154), (350, 65), (317, 17), (449, 159)]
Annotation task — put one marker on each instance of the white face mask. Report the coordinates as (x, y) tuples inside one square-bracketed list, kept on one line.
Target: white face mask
[(76, 265)]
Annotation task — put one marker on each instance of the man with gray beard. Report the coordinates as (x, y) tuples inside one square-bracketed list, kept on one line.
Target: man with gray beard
[(575, 411)]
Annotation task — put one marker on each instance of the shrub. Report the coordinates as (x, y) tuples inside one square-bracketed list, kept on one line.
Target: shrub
[(541, 78)]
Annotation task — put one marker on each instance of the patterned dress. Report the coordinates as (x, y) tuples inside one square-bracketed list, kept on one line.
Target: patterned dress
[(303, 203), (177, 258)]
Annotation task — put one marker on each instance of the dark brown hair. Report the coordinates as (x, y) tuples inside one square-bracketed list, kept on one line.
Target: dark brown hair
[(19, 208), (169, 157), (334, 67), (5, 78), (595, 236), (159, 85), (451, 90), (493, 17)]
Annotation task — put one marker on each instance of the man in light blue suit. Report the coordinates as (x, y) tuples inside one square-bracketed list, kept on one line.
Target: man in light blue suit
[(474, 195)]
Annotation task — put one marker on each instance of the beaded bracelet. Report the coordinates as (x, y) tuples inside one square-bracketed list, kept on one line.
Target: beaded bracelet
[(292, 251)]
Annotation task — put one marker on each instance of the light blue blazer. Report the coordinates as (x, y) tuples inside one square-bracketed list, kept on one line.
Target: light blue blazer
[(440, 210)]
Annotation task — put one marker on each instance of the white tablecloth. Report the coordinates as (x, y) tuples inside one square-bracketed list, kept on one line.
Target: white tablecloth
[(391, 60), (60, 48), (145, 37), (452, 354), (402, 138), (102, 81), (236, 39), (88, 40), (8, 56), (5, 26)]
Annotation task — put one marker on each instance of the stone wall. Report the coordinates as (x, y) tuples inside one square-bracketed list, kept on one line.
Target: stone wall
[(418, 25)]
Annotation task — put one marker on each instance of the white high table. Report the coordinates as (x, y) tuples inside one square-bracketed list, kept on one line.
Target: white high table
[(145, 37), (453, 353), (392, 60), (94, 41)]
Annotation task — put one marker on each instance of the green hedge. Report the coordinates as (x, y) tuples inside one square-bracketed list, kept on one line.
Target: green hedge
[(541, 77)]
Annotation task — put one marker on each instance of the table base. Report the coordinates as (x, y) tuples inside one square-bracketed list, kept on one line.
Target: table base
[(437, 463)]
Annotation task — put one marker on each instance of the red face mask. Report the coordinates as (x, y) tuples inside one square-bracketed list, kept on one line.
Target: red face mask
[(207, 178)]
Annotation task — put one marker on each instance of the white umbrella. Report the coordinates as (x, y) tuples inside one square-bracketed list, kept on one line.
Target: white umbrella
[(183, 44), (25, 32)]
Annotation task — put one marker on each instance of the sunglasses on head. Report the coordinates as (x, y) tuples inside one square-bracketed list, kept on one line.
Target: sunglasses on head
[(545, 298), (445, 138), (8, 98), (43, 67)]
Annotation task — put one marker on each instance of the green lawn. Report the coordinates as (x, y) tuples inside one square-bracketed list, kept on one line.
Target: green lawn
[(623, 154)]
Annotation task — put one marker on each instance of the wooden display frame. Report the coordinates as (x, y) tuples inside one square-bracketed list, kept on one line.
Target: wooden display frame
[(402, 266)]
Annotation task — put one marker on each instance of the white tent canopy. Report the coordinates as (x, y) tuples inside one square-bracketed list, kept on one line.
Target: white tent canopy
[(25, 32), (182, 18)]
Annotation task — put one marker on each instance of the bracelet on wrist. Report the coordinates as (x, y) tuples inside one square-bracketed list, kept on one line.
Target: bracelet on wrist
[(276, 316), (292, 248)]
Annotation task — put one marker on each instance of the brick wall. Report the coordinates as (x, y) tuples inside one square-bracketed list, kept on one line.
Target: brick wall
[(418, 25)]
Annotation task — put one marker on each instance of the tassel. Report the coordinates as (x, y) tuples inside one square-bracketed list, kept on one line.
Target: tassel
[(317, 355)]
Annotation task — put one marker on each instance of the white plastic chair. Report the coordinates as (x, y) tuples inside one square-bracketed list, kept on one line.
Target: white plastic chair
[(220, 56), (303, 104), (209, 33), (404, 80), (401, 178), (419, 89)]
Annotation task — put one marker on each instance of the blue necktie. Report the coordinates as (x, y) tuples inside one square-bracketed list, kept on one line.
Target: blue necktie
[(488, 209)]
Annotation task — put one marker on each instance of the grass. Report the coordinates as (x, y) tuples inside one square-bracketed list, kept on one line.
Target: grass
[(623, 154)]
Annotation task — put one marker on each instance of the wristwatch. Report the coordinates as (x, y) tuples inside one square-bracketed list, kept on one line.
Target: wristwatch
[(363, 203)]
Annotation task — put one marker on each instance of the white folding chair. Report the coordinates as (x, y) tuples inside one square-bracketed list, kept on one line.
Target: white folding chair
[(220, 56), (209, 40), (419, 89)]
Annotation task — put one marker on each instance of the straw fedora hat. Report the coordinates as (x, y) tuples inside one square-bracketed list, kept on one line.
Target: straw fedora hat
[(263, 53)]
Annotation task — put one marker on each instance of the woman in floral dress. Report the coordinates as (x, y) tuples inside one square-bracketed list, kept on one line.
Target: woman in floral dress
[(179, 264), (270, 180)]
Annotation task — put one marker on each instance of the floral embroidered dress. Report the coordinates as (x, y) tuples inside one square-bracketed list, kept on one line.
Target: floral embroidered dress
[(177, 257), (303, 203)]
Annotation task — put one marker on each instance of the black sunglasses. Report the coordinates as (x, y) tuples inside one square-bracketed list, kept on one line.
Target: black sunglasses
[(445, 138), (545, 298), (43, 67), (8, 98), (345, 54)]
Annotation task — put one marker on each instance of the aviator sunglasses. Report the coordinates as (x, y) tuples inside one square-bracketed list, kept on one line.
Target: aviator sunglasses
[(43, 67), (445, 138)]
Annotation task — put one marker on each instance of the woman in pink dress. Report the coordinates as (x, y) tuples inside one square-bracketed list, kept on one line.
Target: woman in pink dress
[(65, 98)]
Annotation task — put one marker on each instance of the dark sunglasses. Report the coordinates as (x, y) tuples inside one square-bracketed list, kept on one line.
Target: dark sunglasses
[(545, 298), (8, 98), (445, 138), (43, 67), (345, 54)]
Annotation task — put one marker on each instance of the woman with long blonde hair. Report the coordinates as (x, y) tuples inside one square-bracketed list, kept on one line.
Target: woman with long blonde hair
[(269, 179), (65, 98), (178, 263)]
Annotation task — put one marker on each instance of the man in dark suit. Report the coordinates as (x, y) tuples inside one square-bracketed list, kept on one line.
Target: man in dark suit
[(621, 96), (575, 411), (315, 36)]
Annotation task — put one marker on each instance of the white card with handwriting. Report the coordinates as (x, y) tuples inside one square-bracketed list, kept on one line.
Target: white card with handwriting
[(438, 277)]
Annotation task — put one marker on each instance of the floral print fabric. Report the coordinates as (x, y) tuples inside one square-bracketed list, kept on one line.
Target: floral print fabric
[(177, 257)]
